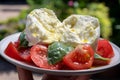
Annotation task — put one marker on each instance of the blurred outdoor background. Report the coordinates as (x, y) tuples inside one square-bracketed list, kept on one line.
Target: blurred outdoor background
[(13, 16)]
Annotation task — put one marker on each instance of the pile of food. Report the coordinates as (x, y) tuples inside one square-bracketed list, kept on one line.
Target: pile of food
[(73, 44)]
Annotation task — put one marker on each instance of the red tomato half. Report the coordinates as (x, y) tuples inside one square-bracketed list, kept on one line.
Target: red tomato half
[(22, 54), (104, 48), (12, 51), (39, 57), (25, 54), (80, 58)]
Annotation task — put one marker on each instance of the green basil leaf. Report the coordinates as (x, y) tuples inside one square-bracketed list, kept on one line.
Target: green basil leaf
[(56, 51), (23, 41), (97, 56)]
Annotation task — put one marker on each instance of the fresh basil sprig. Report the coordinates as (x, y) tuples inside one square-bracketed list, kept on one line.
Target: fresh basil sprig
[(56, 51), (97, 56), (23, 41)]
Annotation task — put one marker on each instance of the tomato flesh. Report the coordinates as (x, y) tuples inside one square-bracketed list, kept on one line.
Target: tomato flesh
[(80, 58), (13, 52), (19, 54), (25, 54), (39, 57), (104, 48)]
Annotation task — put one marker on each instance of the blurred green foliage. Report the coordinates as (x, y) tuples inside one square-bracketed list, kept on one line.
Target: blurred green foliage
[(63, 8), (13, 25)]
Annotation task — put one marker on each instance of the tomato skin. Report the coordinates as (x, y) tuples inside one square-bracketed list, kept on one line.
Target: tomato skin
[(13, 52), (39, 57), (23, 51), (25, 54), (98, 62), (18, 54), (104, 48), (75, 61)]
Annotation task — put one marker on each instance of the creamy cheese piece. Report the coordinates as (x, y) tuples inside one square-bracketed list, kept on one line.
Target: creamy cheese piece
[(80, 29), (42, 26)]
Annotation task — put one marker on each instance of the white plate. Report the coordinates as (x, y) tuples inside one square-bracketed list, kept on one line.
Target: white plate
[(3, 44)]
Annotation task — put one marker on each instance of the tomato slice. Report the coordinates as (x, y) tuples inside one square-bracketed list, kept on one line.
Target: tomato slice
[(23, 51), (13, 52), (25, 54), (21, 54), (80, 58), (39, 57), (104, 48)]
